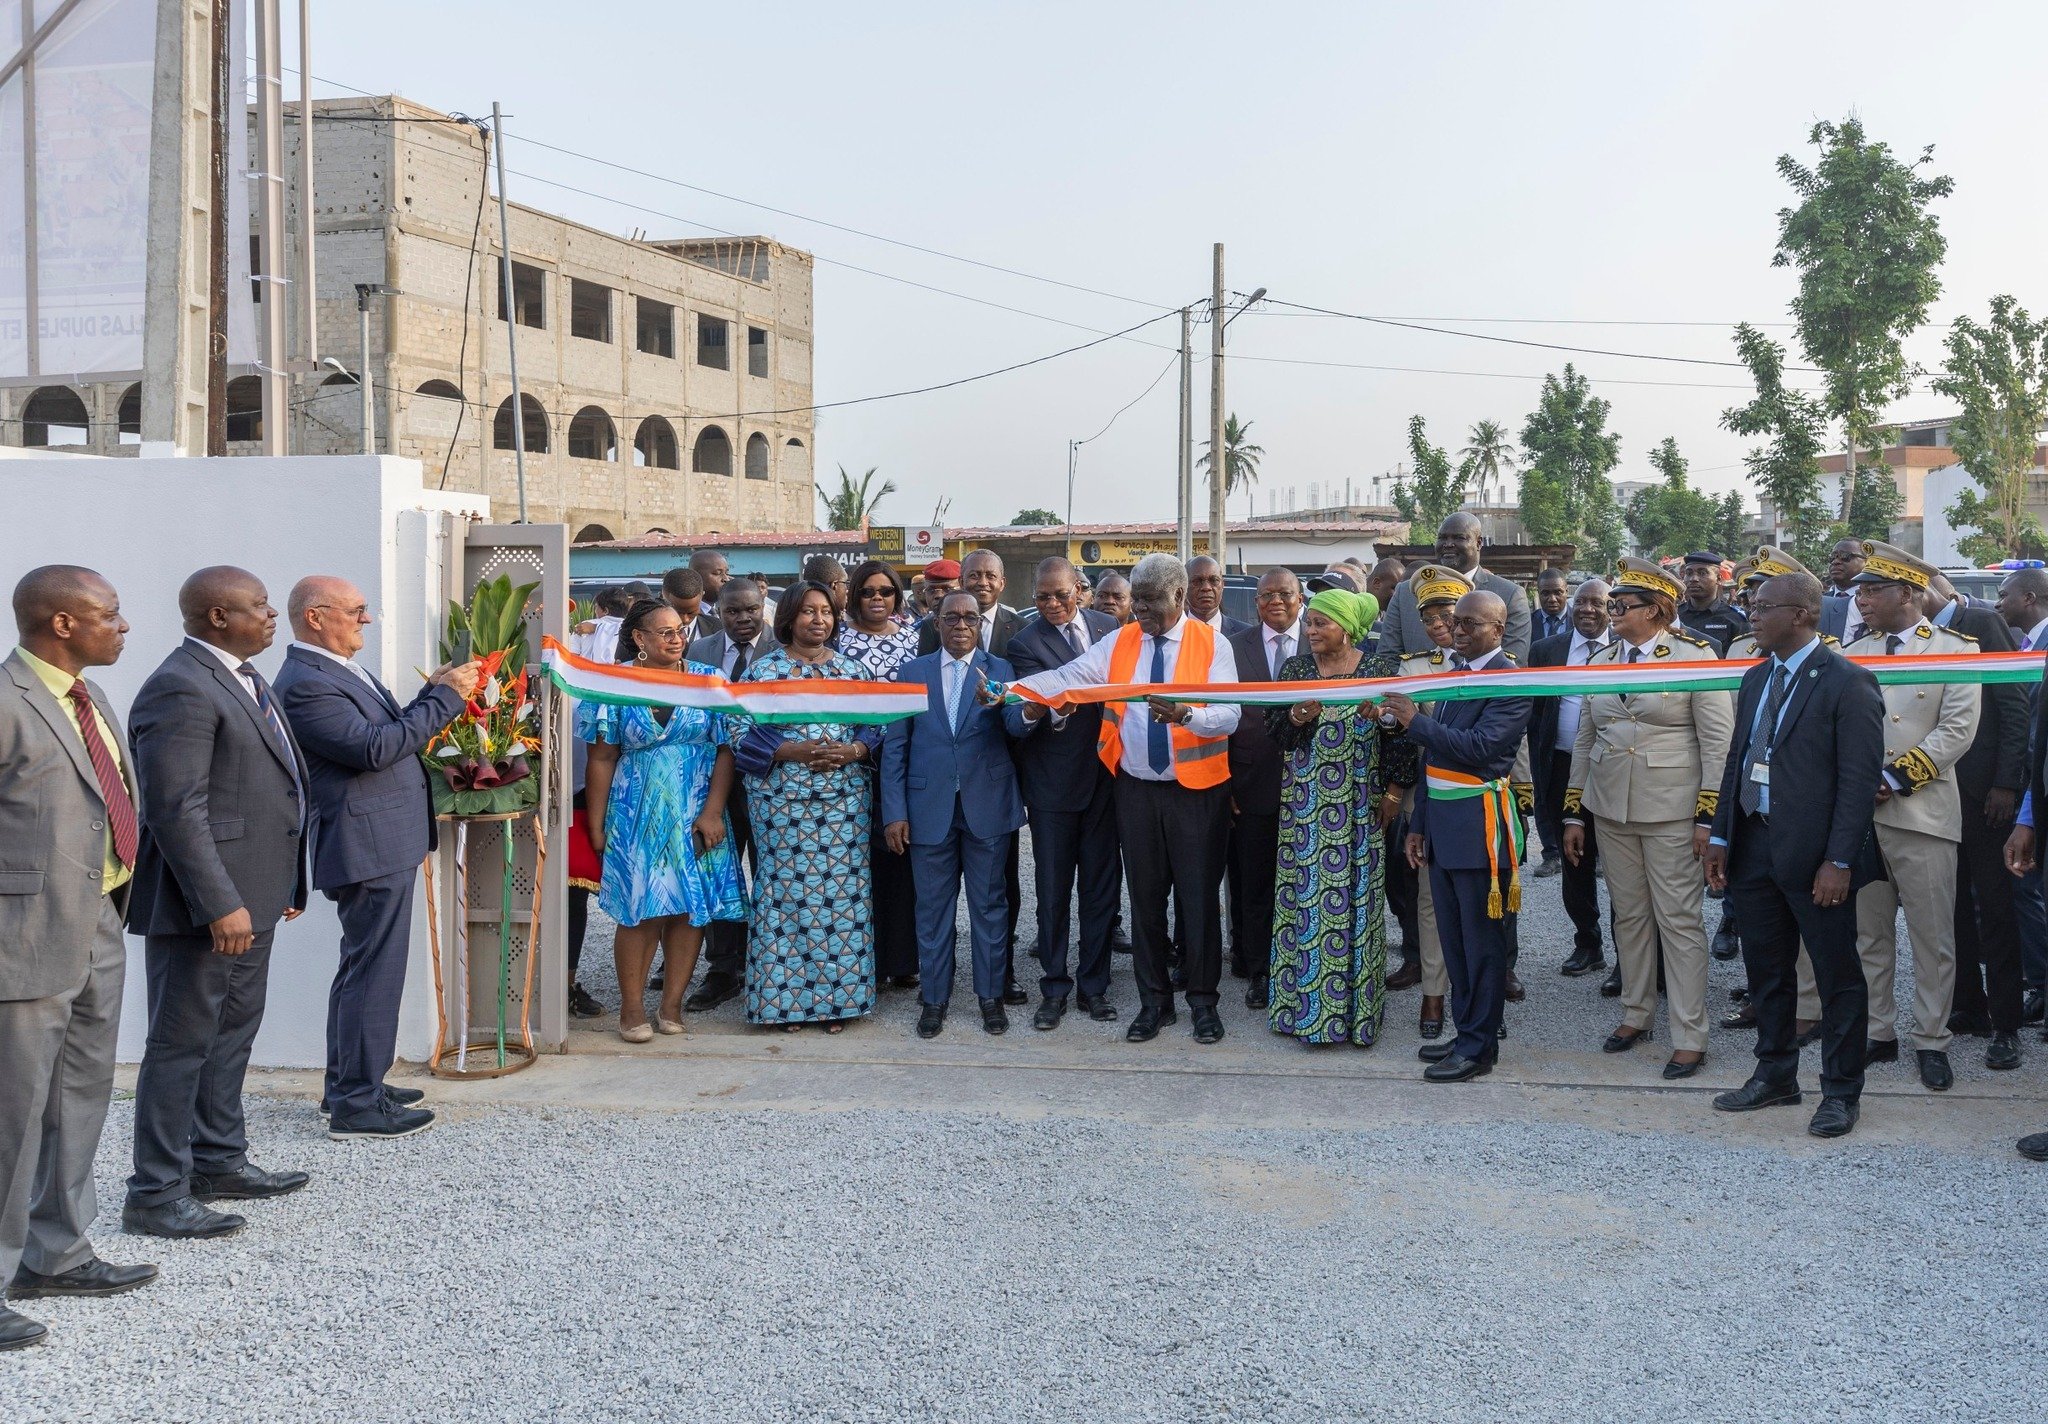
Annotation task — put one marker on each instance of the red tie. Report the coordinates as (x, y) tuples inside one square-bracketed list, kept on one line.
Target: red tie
[(120, 810)]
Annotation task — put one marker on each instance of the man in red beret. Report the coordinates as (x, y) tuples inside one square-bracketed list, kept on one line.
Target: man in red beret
[(941, 577)]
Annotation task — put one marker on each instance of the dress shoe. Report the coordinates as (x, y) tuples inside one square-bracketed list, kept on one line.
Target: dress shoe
[(1177, 976), (94, 1278), (993, 1019), (1621, 1041), (1757, 1093), (1552, 865), (1881, 1050), (1408, 975), (1970, 1022), (1012, 994), (1934, 1070), (1434, 1052), (1051, 1009), (1834, 1117), (180, 1220), (2034, 1146), (251, 1183), (1804, 1033), (2031, 1007), (18, 1332), (930, 1019), (1674, 1070), (581, 1005), (1726, 945), (381, 1122), (1743, 1015), (1583, 961), (1456, 1069), (1610, 987), (1432, 1022), (1119, 942), (1739, 994), (1513, 992), (1239, 969), (714, 990), (1208, 1025), (2004, 1052), (404, 1097), (1259, 993), (900, 981), (1101, 1010), (1145, 1027)]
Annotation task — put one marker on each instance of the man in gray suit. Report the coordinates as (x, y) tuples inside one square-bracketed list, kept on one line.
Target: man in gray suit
[(222, 860), (1458, 546), (67, 848)]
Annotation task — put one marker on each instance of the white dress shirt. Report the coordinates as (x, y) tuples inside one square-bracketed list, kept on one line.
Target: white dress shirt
[(1217, 720), (228, 660), (1280, 646), (1215, 620), (2037, 637), (988, 628), (732, 654), (1580, 653)]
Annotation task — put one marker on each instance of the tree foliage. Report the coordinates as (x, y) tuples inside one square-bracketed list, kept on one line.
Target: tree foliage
[(1489, 458), (1240, 457), (1866, 247), (1035, 517), (1997, 374), (852, 505), (1731, 525), (1435, 491), (1672, 519), (1785, 470), (1566, 496)]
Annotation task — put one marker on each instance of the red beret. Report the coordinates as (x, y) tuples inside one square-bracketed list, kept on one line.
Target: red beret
[(942, 569)]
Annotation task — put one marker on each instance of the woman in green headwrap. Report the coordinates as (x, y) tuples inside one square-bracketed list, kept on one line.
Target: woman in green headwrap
[(1329, 932)]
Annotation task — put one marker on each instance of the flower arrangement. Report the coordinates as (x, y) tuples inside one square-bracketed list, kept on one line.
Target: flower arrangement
[(485, 761)]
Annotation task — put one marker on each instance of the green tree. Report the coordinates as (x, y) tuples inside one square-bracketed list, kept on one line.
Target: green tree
[(1240, 457), (1731, 525), (1566, 496), (852, 505), (1490, 457), (1998, 376), (1866, 247), (1434, 492), (1035, 517), (1673, 518), (1785, 471), (1875, 505)]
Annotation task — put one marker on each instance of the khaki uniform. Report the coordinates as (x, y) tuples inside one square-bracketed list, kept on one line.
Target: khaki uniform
[(1647, 768), (1927, 728)]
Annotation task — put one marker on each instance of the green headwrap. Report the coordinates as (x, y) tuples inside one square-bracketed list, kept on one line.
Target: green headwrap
[(1353, 612)]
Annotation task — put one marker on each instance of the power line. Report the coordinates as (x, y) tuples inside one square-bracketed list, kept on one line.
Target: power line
[(1134, 400), (1526, 320)]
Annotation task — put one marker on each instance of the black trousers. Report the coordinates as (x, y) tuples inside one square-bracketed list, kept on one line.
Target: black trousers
[(1476, 950), (894, 891), (1070, 850), (362, 1007), (1581, 881), (204, 1010), (1254, 864), (1404, 889), (1550, 791), (725, 943), (579, 925), (1013, 886), (1989, 977), (1775, 920), (1173, 839)]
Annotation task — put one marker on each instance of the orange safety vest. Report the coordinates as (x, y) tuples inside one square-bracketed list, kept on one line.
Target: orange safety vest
[(1198, 762)]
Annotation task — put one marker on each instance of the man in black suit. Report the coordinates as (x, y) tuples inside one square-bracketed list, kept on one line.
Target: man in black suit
[(1255, 785), (2023, 603), (1071, 799), (1551, 618), (1552, 729), (711, 567), (1205, 596), (683, 590), (222, 860), (373, 823), (1792, 846)]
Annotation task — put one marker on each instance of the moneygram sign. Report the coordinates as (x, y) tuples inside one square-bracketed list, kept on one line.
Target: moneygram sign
[(908, 544)]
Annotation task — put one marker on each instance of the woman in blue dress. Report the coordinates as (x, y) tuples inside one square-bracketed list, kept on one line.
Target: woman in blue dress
[(655, 792), (811, 945)]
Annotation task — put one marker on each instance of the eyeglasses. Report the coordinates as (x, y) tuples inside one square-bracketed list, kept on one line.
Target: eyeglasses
[(960, 620), (1276, 595), (1756, 608), (1623, 605), (356, 612), (663, 633), (1055, 595), (1473, 625)]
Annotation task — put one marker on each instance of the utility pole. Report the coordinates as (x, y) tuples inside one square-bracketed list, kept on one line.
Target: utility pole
[(1072, 447), (308, 292), (1184, 440), (511, 311), (217, 241), (268, 211), (1218, 475)]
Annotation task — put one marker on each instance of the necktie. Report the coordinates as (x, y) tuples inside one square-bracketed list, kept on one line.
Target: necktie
[(1458, 663), (1635, 655), (987, 620), (1892, 643), (1158, 746), (270, 717), (1283, 649), (1074, 639), (953, 671), (739, 661), (113, 791), (1762, 738)]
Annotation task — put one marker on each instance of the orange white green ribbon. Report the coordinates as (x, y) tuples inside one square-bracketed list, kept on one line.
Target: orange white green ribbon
[(1498, 799), (780, 702)]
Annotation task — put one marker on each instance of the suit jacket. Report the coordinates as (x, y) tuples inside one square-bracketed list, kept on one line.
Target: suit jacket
[(712, 650), (709, 626), (53, 838), (1998, 755), (1058, 765), (1228, 627), (1401, 628), (1824, 772), (1008, 621), (1543, 627), (929, 766), (222, 826), (1837, 611), (1255, 758), (1926, 731), (1652, 756), (372, 815), (1482, 738), (1546, 652)]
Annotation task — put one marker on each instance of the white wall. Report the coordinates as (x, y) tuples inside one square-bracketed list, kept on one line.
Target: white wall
[(146, 524), (1938, 538)]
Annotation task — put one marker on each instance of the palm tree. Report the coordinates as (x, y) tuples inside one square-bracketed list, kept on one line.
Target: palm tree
[(1491, 455), (1240, 457), (851, 506)]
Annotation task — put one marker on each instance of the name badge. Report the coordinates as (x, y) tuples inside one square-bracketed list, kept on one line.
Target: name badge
[(1760, 773)]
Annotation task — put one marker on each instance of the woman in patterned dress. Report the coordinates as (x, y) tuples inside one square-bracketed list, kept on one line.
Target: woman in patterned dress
[(654, 796), (1329, 931), (811, 951), (879, 637)]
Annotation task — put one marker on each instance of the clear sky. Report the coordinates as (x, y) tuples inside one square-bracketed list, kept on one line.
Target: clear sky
[(1582, 163)]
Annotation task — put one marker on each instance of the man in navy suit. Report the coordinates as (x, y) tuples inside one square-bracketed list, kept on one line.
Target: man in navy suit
[(949, 800), (1255, 774), (372, 825), (1072, 799), (1792, 846), (1468, 754)]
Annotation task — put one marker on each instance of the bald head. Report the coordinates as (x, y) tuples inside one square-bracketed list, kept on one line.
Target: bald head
[(1478, 622), (70, 617), (329, 612), (1458, 542), (229, 608), (1205, 587), (711, 567)]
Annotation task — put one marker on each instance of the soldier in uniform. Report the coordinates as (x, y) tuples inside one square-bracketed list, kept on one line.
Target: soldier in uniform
[(1703, 611), (1919, 821), (1647, 769)]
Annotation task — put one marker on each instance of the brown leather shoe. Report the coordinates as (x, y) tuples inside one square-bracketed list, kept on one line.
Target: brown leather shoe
[(1432, 1024), (1408, 975), (1515, 992)]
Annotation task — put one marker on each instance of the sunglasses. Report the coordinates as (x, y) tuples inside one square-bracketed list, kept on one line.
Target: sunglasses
[(960, 620), (880, 590)]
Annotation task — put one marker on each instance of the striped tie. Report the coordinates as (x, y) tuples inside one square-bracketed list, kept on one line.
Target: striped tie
[(113, 791)]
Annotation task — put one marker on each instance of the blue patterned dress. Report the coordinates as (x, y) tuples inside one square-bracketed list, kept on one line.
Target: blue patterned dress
[(811, 943), (651, 866), (1329, 980)]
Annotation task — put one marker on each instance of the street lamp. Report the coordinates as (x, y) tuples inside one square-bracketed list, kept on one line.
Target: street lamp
[(365, 291)]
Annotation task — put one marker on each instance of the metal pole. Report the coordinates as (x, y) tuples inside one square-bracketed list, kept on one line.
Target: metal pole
[(511, 311), (306, 287), (1218, 475), (1072, 446), (363, 376), (1184, 441), (217, 240), (270, 161)]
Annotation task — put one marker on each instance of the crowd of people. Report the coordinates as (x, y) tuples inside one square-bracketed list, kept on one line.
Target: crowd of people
[(816, 866)]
